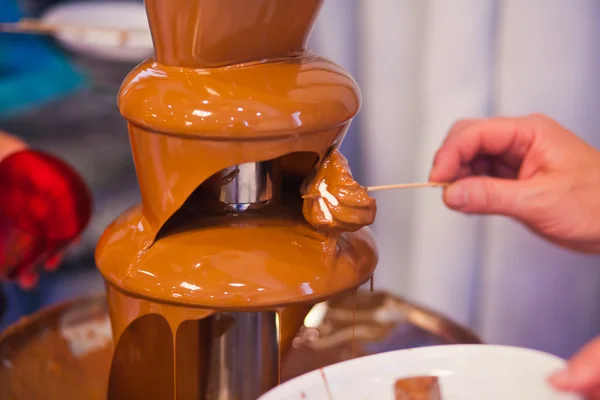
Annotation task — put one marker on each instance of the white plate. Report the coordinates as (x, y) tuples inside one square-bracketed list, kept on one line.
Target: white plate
[(103, 14), (466, 372)]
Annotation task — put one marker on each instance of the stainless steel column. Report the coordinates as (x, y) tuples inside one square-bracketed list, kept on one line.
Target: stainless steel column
[(244, 185), (241, 355)]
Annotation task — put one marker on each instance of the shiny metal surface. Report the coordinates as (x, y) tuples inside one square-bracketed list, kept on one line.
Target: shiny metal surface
[(30, 369), (242, 362), (60, 352), (350, 326), (224, 356), (244, 185)]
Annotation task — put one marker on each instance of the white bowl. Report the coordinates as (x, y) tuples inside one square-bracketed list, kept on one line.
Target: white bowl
[(466, 372), (117, 15)]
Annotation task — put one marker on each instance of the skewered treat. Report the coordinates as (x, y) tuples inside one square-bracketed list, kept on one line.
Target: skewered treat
[(333, 201), (418, 388)]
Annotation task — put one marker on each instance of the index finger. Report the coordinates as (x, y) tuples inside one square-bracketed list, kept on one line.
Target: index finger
[(507, 137)]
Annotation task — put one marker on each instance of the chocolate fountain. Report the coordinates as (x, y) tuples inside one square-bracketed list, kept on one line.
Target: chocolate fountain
[(210, 278), (249, 217)]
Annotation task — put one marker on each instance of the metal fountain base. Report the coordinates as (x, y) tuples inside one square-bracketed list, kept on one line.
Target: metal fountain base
[(64, 352)]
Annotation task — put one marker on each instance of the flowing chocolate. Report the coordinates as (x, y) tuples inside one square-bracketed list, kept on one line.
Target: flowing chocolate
[(333, 201), (231, 83)]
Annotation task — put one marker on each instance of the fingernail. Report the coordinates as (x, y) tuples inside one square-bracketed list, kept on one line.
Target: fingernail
[(583, 375), (432, 174), (573, 379), (456, 196), (433, 170), (561, 379)]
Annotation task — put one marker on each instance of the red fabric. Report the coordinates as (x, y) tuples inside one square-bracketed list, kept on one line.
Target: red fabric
[(44, 206)]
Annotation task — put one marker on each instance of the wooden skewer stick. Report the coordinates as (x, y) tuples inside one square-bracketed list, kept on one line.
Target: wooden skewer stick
[(406, 186), (397, 186), (37, 27)]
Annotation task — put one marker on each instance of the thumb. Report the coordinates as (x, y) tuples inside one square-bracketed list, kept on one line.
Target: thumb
[(484, 195), (583, 372)]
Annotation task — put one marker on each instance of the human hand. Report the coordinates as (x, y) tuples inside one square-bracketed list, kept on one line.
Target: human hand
[(529, 168), (10, 144), (44, 206), (582, 375)]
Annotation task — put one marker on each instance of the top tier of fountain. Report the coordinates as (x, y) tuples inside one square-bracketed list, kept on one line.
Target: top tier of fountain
[(214, 33), (232, 93)]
